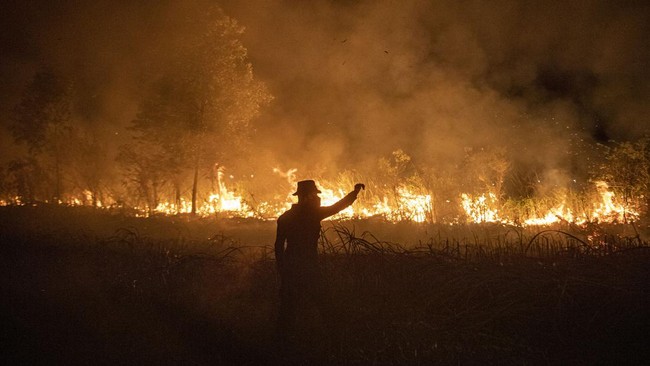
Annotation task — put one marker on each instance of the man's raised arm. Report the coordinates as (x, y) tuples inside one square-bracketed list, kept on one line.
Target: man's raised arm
[(344, 202)]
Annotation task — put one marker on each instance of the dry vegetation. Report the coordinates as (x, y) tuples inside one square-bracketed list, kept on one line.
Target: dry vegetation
[(82, 286)]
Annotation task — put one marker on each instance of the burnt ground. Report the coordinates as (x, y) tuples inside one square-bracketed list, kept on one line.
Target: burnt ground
[(90, 298)]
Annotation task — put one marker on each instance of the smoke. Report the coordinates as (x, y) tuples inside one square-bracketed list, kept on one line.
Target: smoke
[(355, 80)]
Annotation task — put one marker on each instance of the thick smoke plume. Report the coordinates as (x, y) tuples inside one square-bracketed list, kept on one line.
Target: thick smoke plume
[(364, 78)]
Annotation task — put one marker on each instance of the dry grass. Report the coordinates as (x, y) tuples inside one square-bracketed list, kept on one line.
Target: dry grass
[(82, 293)]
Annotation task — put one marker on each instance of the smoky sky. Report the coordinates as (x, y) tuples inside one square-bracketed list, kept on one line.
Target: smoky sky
[(354, 80)]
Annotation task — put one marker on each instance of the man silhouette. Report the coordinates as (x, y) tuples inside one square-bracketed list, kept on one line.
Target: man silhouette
[(297, 263)]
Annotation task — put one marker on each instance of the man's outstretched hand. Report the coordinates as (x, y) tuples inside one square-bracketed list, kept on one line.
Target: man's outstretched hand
[(359, 186)]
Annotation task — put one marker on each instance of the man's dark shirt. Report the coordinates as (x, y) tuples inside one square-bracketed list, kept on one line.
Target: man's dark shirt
[(300, 227)]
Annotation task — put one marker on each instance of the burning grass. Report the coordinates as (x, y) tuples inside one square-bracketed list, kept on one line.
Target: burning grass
[(84, 286)]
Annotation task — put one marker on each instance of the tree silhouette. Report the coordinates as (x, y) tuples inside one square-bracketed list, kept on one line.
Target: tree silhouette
[(91, 164), (42, 121), (198, 108)]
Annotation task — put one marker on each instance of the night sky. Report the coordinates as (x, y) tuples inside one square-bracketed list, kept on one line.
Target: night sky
[(355, 80)]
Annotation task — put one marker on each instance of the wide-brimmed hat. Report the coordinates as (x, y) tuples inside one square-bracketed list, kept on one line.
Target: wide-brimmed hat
[(306, 187)]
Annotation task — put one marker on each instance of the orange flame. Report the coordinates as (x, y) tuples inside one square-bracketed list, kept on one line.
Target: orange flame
[(402, 203)]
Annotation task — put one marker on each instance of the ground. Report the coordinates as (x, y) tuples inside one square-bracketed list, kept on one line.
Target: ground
[(86, 287)]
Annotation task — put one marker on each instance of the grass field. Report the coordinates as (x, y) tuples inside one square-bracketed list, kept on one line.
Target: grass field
[(81, 286)]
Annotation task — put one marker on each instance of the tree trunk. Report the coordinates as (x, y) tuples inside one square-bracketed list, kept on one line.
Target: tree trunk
[(154, 202), (177, 192), (195, 186), (57, 177), (146, 195), (196, 161)]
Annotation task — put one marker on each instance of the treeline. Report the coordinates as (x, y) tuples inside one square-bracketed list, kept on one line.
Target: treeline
[(195, 108)]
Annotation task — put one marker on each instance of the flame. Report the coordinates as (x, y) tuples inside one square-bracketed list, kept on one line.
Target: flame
[(411, 206), (400, 203), (605, 209), (482, 208), (554, 215), (407, 206), (14, 201), (611, 209)]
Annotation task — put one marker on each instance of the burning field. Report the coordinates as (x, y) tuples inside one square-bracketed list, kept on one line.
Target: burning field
[(394, 196), (147, 150)]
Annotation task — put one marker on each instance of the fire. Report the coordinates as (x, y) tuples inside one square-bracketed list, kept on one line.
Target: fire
[(482, 208), (606, 209), (400, 203), (411, 206), (14, 201), (408, 205), (609, 209), (554, 215)]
